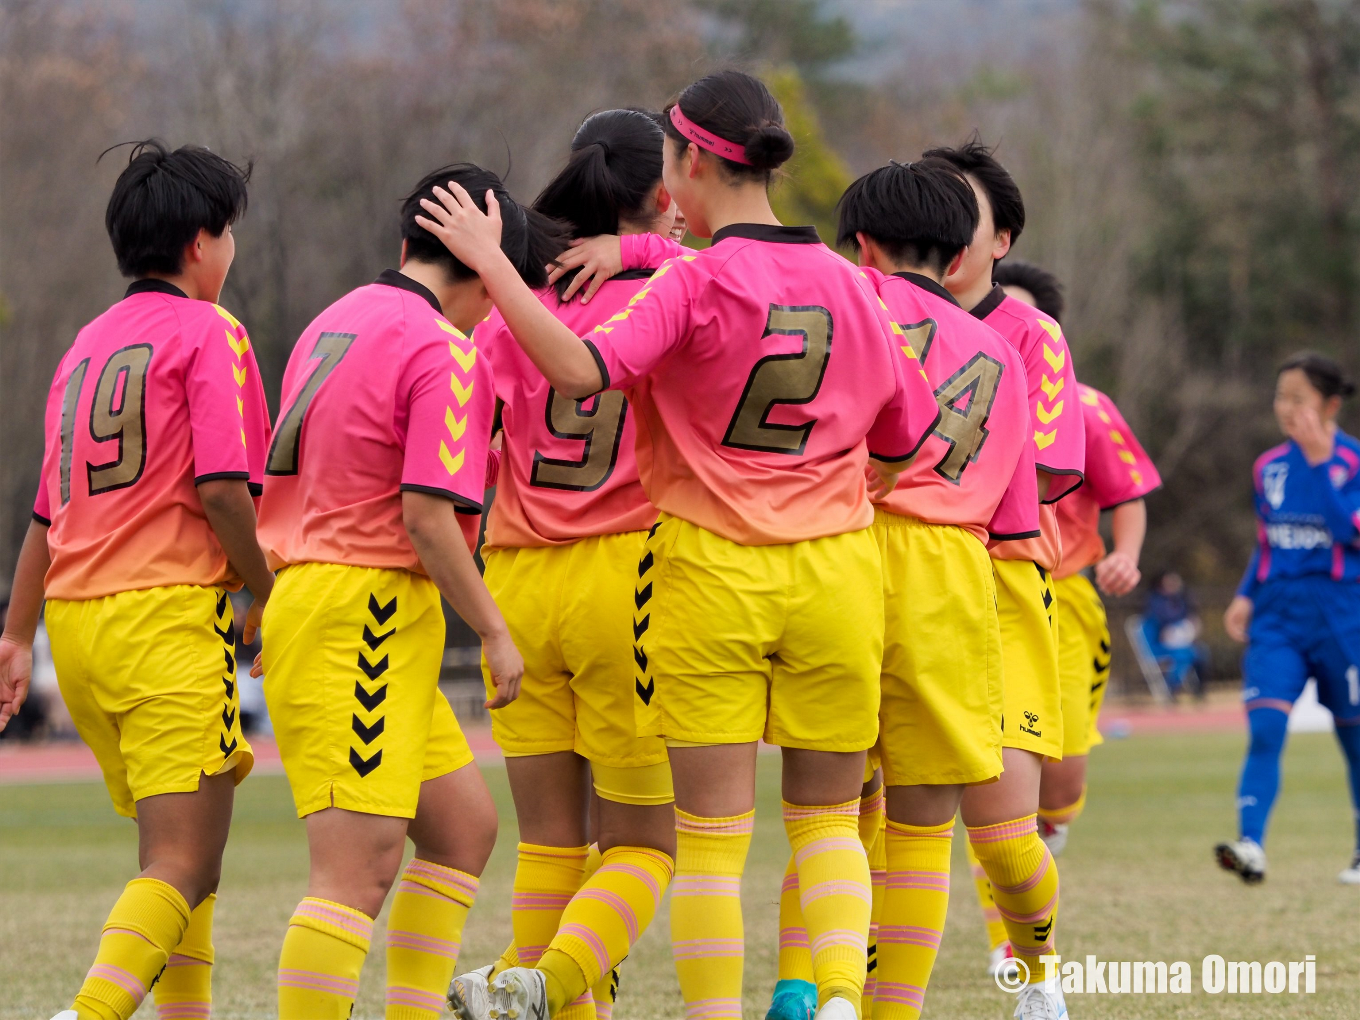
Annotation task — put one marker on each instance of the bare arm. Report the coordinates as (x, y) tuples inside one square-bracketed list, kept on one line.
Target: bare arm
[(1118, 573), (432, 523), (25, 603), (475, 238), (231, 514)]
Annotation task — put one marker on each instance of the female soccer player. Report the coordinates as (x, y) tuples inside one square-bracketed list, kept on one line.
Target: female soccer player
[(763, 377), (156, 430), (1119, 474), (372, 497), (1298, 607), (563, 543)]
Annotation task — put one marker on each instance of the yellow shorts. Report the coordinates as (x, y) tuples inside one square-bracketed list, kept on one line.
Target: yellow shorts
[(351, 677), (940, 721), (736, 642), (150, 680), (570, 612), (1083, 661), (1031, 698)]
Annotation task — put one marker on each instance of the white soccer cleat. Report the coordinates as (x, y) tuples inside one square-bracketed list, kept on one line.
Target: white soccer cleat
[(470, 995), (1245, 857), (67, 1014), (1034, 1003), (1054, 836), (1001, 960), (836, 1008), (1351, 876), (519, 993)]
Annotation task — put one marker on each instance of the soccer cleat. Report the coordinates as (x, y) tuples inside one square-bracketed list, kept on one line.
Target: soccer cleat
[(519, 993), (837, 1008), (67, 1014), (470, 994), (1001, 960), (1054, 836), (1351, 876), (1034, 1003), (1243, 856), (793, 999)]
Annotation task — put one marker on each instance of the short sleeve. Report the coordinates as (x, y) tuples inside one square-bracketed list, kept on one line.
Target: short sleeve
[(656, 320), (912, 413), (42, 505), (228, 417), (1118, 469), (1017, 515), (445, 397), (1059, 435), (641, 251)]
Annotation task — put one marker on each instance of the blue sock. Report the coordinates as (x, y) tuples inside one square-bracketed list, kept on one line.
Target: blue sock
[(1260, 772), (1349, 739)]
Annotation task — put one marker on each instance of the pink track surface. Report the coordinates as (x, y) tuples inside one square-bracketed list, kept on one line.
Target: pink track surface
[(73, 762)]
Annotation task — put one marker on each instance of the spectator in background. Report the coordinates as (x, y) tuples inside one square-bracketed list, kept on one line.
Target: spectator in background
[(1172, 628)]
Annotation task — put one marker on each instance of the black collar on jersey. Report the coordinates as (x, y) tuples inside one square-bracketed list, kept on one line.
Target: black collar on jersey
[(772, 232), (392, 278), (150, 286), (634, 274), (987, 305), (926, 283)]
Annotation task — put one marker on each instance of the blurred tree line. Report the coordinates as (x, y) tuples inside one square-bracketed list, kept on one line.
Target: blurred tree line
[(1188, 167)]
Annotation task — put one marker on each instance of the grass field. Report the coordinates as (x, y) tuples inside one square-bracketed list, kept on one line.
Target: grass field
[(1138, 884)]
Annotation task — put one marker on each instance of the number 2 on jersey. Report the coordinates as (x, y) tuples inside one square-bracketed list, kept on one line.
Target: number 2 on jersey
[(783, 379), (118, 411), (330, 349), (601, 428)]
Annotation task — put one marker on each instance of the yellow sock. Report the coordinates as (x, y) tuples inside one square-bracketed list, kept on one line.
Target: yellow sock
[(603, 920), (996, 929), (878, 879), (1064, 815), (184, 991), (914, 907), (546, 878), (424, 932), (795, 958), (707, 936), (147, 922), (605, 992), (509, 958), (1024, 881), (322, 955), (834, 892)]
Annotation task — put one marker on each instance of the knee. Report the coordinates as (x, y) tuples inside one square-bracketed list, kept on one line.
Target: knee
[(1268, 726), (464, 842)]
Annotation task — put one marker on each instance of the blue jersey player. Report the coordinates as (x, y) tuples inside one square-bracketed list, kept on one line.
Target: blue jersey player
[(1298, 607)]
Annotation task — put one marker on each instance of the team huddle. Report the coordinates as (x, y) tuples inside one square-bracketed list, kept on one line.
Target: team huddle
[(750, 492)]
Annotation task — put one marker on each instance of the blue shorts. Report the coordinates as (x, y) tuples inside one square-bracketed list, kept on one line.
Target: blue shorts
[(1305, 627)]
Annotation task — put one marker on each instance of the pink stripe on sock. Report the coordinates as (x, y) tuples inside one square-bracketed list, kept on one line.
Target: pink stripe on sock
[(459, 880), (126, 931), (616, 903), (1032, 881), (827, 845), (125, 980), (1004, 830), (796, 812), (1033, 918), (908, 935), (706, 885), (530, 955), (329, 983), (694, 949), (932, 881), (339, 918), (591, 941), (871, 804), (790, 882), (641, 874), (879, 877), (540, 900), (713, 1009), (793, 938), (416, 998), (835, 887), (900, 994), (841, 937), (978, 871), (197, 1010), (716, 826), (421, 943), (176, 960)]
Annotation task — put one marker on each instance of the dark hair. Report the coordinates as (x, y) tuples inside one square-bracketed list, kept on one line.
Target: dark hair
[(1324, 374), (737, 108), (976, 160), (162, 199), (529, 239), (615, 163), (923, 213), (1047, 291)]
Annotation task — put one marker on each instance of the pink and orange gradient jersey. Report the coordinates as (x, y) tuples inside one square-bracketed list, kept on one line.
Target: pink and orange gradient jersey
[(381, 395), (1118, 470), (764, 373), (976, 470), (1059, 436), (159, 393), (568, 469)]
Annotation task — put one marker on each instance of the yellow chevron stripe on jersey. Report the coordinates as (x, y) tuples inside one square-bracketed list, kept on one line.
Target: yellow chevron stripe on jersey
[(452, 464)]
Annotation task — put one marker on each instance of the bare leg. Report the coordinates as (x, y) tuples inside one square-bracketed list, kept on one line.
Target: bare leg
[(551, 793), (455, 822), (181, 836), (1063, 782), (355, 857)]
